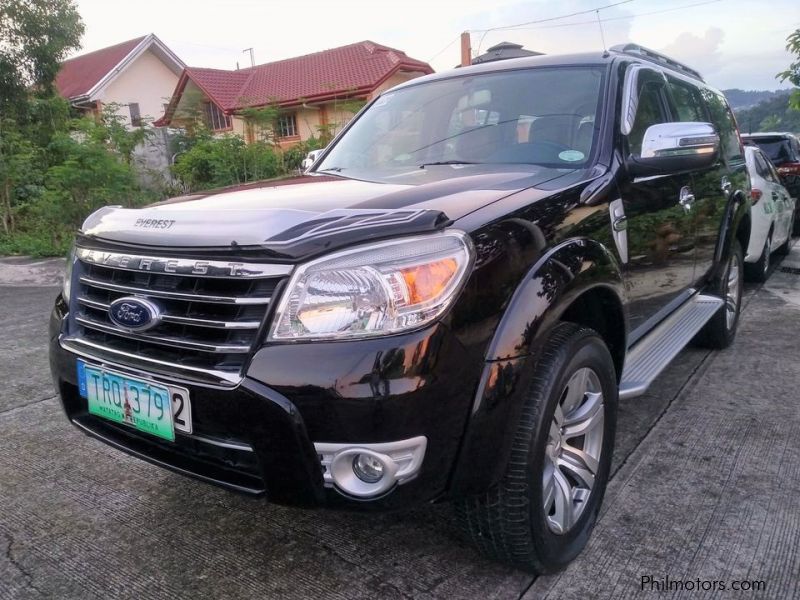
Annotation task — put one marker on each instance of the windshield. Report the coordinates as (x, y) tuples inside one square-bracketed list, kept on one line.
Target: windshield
[(545, 116)]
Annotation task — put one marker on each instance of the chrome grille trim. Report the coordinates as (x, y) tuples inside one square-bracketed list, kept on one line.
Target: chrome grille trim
[(181, 266), (87, 349), (127, 289), (163, 340), (209, 314), (168, 318)]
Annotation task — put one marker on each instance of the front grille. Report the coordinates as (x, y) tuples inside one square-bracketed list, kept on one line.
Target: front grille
[(212, 312)]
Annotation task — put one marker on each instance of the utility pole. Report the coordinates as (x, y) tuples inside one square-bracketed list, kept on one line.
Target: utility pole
[(466, 49), (252, 56)]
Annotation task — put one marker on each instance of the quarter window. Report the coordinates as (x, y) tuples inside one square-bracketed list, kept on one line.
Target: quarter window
[(761, 166), (287, 125)]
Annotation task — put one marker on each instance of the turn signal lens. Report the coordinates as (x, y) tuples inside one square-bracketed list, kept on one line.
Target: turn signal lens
[(426, 282), (67, 287), (375, 289), (755, 195)]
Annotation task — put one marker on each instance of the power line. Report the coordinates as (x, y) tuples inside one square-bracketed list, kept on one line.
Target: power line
[(445, 48), (620, 18), (575, 14)]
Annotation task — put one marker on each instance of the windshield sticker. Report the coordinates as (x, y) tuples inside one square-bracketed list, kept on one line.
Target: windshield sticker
[(571, 155)]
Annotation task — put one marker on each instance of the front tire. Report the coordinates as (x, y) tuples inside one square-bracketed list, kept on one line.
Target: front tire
[(541, 513)]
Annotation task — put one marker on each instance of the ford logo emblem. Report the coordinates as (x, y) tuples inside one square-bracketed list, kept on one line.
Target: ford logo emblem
[(134, 314)]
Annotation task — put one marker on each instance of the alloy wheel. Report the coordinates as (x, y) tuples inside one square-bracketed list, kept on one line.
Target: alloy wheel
[(572, 454), (732, 292)]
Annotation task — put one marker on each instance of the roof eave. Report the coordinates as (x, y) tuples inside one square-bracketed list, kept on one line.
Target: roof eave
[(150, 39), (344, 94)]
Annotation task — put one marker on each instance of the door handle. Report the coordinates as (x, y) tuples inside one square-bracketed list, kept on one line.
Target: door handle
[(725, 185), (620, 223), (686, 198)]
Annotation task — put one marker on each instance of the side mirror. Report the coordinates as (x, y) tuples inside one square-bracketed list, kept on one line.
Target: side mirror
[(670, 147)]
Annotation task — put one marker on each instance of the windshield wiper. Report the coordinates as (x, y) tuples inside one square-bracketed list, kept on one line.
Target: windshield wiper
[(334, 169), (449, 162)]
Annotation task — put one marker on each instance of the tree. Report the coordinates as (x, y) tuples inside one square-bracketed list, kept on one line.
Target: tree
[(769, 123), (792, 74), (35, 37)]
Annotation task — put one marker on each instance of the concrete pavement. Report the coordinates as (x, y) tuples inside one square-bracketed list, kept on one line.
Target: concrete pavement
[(705, 486)]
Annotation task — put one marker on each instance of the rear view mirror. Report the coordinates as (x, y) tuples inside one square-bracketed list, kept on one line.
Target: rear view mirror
[(668, 147)]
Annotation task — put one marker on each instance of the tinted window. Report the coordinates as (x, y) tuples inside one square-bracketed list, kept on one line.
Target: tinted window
[(544, 116), (778, 150), (650, 111), (687, 103)]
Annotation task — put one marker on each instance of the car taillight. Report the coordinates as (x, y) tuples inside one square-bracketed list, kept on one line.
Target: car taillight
[(789, 169), (755, 195)]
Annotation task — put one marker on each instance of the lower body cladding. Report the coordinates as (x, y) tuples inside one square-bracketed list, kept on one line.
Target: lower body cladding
[(369, 424)]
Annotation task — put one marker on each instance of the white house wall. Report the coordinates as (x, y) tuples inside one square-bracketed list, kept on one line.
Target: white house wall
[(147, 81)]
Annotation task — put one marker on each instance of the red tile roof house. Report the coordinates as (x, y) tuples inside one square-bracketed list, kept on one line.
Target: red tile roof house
[(312, 91), (138, 75)]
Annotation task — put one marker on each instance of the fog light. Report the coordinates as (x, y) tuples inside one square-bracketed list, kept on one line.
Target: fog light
[(368, 468)]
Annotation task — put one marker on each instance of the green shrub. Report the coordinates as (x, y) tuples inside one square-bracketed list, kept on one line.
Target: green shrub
[(226, 160)]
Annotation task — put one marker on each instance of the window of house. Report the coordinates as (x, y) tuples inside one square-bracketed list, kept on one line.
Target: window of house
[(136, 115), (287, 125), (215, 118)]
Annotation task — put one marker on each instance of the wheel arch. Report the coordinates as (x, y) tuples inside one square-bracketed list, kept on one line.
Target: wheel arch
[(580, 281), (568, 282)]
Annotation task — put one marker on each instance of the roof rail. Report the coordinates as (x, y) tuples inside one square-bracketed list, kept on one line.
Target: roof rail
[(656, 57)]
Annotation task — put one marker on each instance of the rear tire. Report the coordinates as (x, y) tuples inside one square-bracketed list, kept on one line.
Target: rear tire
[(759, 270), (720, 331), (541, 513), (786, 246)]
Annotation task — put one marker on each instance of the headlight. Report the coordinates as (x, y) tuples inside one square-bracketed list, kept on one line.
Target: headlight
[(375, 289), (67, 287)]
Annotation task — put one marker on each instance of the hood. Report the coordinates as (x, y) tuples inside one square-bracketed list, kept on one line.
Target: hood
[(314, 212)]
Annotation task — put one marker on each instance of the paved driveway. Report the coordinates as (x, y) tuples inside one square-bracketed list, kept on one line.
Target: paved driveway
[(706, 485)]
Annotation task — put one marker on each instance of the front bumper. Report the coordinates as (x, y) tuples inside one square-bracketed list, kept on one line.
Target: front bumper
[(259, 437)]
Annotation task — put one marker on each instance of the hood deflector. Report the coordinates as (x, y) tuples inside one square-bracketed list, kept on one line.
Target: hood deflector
[(286, 233)]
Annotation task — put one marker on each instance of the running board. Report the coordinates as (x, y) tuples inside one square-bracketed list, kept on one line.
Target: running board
[(652, 354)]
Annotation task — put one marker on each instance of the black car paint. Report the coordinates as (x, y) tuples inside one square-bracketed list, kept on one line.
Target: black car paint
[(540, 247)]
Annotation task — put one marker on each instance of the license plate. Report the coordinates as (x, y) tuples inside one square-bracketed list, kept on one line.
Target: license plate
[(155, 408)]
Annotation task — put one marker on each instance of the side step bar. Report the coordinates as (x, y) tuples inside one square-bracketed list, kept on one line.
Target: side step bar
[(652, 354)]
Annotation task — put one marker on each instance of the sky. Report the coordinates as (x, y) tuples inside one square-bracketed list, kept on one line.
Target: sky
[(733, 43)]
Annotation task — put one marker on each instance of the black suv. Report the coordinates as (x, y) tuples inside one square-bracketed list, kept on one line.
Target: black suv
[(448, 307)]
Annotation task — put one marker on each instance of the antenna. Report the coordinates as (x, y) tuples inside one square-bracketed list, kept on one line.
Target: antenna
[(602, 35), (252, 56)]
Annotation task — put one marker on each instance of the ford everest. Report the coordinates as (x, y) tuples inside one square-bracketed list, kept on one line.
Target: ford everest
[(447, 307)]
